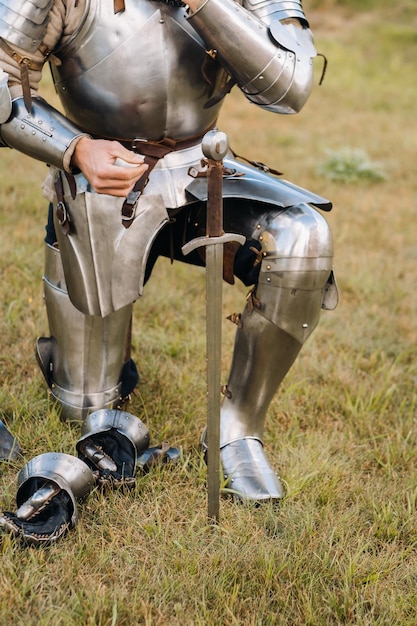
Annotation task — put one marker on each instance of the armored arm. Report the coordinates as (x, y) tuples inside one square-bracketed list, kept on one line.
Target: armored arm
[(28, 123), (265, 45), (42, 133)]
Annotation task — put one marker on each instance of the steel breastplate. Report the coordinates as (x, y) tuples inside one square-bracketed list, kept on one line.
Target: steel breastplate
[(137, 74)]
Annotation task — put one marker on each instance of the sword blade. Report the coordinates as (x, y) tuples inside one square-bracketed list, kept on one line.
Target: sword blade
[(214, 285)]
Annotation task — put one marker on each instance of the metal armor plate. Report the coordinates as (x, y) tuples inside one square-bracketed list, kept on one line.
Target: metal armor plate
[(281, 9), (161, 90), (23, 22)]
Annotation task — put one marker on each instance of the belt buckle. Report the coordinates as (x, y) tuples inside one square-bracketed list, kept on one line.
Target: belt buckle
[(135, 141)]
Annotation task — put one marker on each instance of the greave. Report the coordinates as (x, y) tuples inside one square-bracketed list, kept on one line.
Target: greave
[(83, 358), (262, 357)]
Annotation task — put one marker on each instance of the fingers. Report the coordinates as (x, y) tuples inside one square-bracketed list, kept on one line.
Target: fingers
[(108, 166), (116, 180)]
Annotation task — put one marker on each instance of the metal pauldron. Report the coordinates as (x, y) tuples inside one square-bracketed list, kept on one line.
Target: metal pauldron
[(280, 9), (24, 23), (44, 133), (278, 73)]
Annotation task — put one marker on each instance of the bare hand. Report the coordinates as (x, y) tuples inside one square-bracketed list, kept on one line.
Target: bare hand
[(96, 158)]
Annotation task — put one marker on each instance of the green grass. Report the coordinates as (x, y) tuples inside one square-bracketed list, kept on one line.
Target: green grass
[(342, 547), (351, 166)]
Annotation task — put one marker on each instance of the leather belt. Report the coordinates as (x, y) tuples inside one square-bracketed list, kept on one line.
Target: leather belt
[(160, 148)]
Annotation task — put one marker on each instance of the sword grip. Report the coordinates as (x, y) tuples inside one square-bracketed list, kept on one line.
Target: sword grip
[(215, 145), (214, 221)]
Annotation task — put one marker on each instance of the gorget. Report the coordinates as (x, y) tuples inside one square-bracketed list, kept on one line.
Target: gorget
[(142, 73)]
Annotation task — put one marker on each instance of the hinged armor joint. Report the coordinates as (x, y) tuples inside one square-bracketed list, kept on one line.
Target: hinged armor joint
[(23, 23)]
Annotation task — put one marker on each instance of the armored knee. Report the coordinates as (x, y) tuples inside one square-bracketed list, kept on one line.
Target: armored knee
[(295, 278)]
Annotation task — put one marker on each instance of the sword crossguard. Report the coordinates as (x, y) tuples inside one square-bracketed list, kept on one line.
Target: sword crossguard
[(200, 242)]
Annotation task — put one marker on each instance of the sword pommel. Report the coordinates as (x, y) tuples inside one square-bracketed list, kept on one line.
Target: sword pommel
[(215, 145)]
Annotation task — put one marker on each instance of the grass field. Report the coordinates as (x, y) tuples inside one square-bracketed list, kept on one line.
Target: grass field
[(342, 547)]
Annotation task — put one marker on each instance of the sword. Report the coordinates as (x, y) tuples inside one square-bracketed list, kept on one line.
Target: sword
[(215, 145)]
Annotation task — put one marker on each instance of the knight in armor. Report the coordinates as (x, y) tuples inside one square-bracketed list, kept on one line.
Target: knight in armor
[(141, 82)]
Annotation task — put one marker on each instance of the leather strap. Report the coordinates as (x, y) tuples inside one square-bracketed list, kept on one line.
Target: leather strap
[(129, 205), (25, 64), (119, 5), (61, 208), (152, 151)]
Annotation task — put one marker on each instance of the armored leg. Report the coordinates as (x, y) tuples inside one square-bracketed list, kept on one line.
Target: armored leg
[(297, 254), (83, 360)]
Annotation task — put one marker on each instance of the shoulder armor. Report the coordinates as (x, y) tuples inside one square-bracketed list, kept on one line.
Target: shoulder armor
[(23, 22), (277, 74), (279, 9)]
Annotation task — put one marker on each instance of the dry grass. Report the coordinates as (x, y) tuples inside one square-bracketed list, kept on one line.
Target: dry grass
[(342, 431)]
